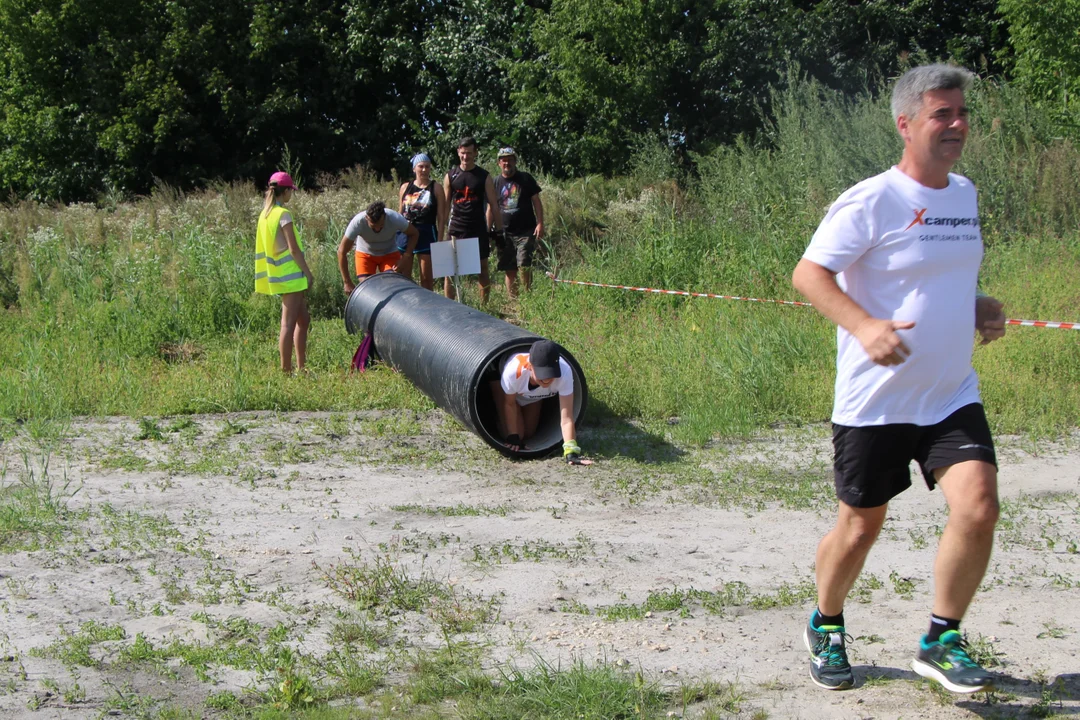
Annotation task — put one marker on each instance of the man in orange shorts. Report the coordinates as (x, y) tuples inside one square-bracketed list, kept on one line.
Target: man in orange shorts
[(373, 232)]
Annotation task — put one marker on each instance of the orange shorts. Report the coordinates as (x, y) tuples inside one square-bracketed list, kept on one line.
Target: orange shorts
[(371, 264)]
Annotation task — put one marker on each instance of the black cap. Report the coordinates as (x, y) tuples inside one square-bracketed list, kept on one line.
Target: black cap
[(544, 358)]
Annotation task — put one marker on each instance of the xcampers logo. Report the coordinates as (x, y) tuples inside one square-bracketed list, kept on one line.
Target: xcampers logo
[(942, 223), (952, 222)]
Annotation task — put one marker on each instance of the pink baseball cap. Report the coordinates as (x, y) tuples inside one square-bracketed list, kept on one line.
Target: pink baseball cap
[(282, 179)]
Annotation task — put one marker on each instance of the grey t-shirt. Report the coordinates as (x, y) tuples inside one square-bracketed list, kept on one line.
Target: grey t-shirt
[(376, 243)]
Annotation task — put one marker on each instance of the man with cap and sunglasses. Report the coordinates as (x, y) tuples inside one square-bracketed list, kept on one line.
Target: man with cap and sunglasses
[(522, 217), (526, 380)]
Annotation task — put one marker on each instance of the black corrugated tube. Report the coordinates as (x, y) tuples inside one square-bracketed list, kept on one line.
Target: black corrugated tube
[(451, 352)]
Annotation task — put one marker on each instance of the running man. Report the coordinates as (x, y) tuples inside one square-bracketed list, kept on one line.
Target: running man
[(895, 265), (526, 379), (374, 233), (471, 194), (522, 216)]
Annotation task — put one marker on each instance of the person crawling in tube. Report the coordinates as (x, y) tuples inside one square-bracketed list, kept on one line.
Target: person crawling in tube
[(526, 380)]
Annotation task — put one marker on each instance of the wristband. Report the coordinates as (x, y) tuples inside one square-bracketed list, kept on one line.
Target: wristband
[(570, 448)]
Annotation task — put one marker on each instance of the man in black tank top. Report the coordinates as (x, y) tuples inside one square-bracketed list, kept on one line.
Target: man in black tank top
[(471, 194)]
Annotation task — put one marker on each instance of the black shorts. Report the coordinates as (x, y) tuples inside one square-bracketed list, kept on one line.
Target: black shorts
[(871, 464)]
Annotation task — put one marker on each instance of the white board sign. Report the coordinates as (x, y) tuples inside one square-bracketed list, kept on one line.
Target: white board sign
[(455, 257)]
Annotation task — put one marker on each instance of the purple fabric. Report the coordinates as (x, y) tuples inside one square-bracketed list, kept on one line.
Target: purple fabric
[(362, 358)]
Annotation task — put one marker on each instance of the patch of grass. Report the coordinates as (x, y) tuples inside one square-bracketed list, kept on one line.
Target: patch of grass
[(720, 699), (862, 592), (149, 430), (136, 532), (224, 700), (291, 688), (229, 428), (334, 427), (576, 607), (533, 551), (74, 648), (380, 584), (579, 691), (459, 510), (349, 631), (243, 646), (787, 595), (685, 602), (982, 650), (34, 510), (350, 674), (1052, 630), (124, 460), (447, 673), (902, 586), (391, 425), (209, 459), (185, 426)]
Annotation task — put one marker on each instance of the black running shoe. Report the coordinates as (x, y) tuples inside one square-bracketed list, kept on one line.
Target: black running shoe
[(829, 666), (948, 662)]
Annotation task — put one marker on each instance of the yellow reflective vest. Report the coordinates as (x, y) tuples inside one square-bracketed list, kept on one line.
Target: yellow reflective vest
[(276, 273)]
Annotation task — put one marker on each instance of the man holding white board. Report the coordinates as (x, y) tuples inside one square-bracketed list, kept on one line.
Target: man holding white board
[(471, 195)]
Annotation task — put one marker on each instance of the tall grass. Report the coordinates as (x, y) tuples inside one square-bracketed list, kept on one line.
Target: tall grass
[(146, 307)]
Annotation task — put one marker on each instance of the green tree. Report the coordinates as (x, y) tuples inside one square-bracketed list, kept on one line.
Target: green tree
[(100, 94), (696, 72), (1046, 39)]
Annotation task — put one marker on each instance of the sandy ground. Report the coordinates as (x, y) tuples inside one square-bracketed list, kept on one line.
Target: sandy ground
[(242, 517)]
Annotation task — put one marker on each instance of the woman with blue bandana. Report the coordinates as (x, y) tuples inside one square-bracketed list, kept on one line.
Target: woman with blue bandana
[(424, 205)]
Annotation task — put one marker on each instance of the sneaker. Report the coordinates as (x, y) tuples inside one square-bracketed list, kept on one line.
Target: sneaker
[(829, 666), (947, 662)]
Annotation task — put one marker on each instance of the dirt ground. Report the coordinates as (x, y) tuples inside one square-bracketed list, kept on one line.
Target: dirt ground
[(246, 516)]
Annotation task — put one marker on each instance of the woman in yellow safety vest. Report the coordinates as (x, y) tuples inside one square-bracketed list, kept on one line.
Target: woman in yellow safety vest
[(280, 269)]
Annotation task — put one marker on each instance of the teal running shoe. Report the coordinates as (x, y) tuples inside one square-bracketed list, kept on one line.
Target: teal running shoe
[(829, 666), (948, 662)]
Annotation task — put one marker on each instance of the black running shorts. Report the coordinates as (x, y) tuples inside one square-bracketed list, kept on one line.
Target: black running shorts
[(871, 464)]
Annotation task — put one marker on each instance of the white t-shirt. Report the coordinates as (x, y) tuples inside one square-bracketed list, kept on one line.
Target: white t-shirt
[(374, 243), (904, 251), (516, 376)]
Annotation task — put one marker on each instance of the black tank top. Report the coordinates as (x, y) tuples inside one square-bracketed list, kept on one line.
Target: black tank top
[(467, 201), (420, 205)]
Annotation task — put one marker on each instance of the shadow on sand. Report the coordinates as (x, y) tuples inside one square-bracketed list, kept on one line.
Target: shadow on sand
[(607, 435)]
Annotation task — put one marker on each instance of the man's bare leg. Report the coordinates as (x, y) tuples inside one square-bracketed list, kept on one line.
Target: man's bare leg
[(485, 281), (842, 552), (970, 489), (511, 283)]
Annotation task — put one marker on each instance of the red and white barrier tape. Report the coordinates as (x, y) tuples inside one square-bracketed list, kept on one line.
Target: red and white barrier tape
[(1044, 324), (1026, 323)]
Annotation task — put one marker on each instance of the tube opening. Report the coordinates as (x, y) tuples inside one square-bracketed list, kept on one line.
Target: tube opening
[(548, 435)]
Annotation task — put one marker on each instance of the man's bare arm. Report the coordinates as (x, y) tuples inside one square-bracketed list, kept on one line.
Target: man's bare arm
[(877, 336), (343, 251)]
